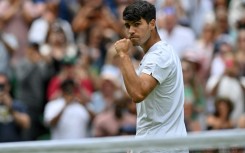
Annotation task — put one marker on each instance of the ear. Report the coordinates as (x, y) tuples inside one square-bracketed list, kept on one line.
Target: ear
[(152, 24)]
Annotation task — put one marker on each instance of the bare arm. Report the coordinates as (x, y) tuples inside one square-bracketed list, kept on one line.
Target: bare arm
[(31, 10), (22, 119), (56, 119), (12, 10), (214, 90), (9, 48), (138, 87), (81, 21)]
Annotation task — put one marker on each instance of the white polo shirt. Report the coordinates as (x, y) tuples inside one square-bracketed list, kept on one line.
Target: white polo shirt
[(161, 113)]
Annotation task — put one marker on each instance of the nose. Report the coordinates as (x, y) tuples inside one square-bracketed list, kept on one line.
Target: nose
[(131, 30)]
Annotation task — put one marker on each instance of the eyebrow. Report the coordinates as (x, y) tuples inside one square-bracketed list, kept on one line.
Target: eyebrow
[(131, 22)]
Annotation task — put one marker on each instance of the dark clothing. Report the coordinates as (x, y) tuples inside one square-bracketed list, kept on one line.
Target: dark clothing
[(31, 89), (9, 130)]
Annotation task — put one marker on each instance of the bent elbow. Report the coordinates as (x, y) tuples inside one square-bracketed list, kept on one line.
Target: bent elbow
[(138, 98)]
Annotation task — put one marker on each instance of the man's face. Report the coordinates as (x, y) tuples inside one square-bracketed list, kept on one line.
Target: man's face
[(138, 31)]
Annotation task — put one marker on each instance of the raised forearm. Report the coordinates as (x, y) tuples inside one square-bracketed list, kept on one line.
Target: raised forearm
[(8, 47), (80, 24), (215, 88), (56, 119), (131, 79), (22, 119), (138, 86)]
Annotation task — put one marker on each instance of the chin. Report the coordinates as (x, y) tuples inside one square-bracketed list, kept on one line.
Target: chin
[(135, 43)]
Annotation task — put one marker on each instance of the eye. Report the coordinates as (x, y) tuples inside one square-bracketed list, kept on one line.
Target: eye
[(136, 24), (127, 26)]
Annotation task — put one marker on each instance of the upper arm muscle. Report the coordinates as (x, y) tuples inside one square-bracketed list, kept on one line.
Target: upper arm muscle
[(148, 83)]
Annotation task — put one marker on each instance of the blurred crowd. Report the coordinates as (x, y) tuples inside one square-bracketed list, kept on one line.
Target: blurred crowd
[(59, 80)]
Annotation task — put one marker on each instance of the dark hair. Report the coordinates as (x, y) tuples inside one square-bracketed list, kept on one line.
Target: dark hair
[(68, 86), (52, 7), (227, 101), (139, 9), (240, 24), (5, 84), (55, 28), (34, 45)]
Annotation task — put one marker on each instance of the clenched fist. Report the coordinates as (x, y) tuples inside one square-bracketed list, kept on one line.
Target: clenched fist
[(122, 46)]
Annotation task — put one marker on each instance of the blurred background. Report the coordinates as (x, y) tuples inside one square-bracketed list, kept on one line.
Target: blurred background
[(58, 78)]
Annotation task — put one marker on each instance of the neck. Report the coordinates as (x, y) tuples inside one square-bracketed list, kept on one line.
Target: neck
[(154, 38)]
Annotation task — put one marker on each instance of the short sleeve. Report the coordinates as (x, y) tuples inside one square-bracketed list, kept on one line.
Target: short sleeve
[(157, 65)]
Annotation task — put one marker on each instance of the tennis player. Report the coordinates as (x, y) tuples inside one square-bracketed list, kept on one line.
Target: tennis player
[(157, 85)]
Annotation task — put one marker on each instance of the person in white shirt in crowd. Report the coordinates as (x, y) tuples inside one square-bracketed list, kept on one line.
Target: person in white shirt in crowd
[(66, 116), (172, 32), (230, 85)]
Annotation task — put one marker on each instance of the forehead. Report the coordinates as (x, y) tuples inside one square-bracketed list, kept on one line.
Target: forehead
[(131, 22)]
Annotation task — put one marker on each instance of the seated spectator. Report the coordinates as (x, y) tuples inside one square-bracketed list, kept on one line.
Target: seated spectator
[(115, 120), (229, 85), (221, 119), (173, 33), (13, 116), (66, 116), (191, 123)]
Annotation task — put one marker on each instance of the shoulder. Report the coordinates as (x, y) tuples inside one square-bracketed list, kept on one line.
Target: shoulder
[(185, 31), (39, 21), (55, 102), (161, 53), (161, 48)]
